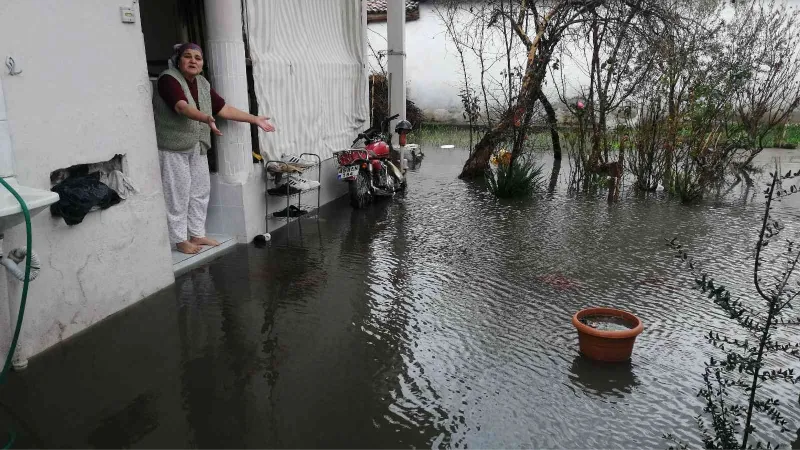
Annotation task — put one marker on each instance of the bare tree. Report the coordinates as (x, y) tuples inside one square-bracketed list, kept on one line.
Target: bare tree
[(451, 14), (552, 20), (379, 56), (766, 37), (680, 61), (647, 157), (616, 58), (483, 42), (726, 86)]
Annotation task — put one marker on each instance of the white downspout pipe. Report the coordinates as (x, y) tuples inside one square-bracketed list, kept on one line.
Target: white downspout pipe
[(6, 309), (13, 294), (396, 34)]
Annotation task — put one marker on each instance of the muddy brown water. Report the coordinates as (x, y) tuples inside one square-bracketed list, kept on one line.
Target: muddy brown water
[(440, 318)]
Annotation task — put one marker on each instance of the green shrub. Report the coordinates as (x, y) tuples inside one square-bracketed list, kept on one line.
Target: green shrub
[(518, 179)]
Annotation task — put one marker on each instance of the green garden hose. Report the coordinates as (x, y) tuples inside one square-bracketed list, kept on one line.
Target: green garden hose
[(26, 281)]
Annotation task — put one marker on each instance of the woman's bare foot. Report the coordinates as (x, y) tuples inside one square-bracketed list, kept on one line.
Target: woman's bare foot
[(187, 247), (204, 241)]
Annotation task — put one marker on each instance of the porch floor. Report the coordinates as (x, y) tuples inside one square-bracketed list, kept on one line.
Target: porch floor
[(182, 263)]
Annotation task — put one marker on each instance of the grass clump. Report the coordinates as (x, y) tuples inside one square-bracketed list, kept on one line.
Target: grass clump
[(513, 179)]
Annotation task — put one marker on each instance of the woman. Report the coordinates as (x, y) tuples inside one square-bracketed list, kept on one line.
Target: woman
[(184, 114)]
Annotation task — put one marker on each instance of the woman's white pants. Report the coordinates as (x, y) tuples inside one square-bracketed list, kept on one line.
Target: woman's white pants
[(187, 188)]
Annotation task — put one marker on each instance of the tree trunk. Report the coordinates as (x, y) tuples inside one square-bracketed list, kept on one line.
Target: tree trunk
[(552, 122), (531, 87), (479, 158), (524, 127), (671, 138), (535, 71)]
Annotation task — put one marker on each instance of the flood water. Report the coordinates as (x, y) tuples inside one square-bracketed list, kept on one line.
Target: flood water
[(607, 323), (437, 319)]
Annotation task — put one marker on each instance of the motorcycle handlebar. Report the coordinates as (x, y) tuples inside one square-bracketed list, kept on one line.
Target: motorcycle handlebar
[(369, 132), (386, 121)]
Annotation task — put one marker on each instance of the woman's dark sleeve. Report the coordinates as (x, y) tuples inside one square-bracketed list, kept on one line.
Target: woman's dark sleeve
[(171, 91), (217, 102)]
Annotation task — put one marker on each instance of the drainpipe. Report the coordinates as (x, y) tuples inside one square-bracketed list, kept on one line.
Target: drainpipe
[(12, 291), (396, 33), (7, 170), (6, 312), (225, 48), (14, 277)]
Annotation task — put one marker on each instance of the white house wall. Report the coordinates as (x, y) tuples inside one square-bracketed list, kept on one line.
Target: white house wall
[(433, 66), (82, 97), (309, 66), (434, 76)]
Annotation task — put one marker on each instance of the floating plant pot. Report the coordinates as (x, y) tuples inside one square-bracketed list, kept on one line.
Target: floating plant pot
[(607, 334)]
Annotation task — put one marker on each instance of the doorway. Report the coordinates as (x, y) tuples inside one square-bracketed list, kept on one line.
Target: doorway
[(166, 23)]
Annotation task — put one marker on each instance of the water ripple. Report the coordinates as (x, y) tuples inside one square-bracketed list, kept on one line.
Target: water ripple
[(491, 288), (441, 318)]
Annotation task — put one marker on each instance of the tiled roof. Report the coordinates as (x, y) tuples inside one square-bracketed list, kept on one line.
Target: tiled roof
[(379, 6)]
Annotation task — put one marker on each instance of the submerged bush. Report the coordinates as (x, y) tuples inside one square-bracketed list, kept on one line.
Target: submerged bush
[(514, 179), (737, 393)]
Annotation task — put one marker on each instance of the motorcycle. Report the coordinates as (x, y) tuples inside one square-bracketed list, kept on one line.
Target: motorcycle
[(370, 171)]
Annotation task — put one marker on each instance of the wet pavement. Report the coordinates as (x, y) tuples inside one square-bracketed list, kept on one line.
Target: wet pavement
[(437, 319)]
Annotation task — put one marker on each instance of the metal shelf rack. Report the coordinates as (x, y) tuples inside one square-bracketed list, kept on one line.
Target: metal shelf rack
[(299, 194)]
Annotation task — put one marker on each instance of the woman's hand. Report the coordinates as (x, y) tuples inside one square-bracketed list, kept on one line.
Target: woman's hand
[(228, 112), (213, 125), (263, 123)]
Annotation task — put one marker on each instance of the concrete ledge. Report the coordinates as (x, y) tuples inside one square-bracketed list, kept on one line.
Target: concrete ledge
[(182, 263)]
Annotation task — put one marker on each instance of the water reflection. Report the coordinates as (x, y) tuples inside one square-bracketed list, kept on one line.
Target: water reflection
[(389, 321), (438, 318), (554, 172), (127, 426), (220, 357), (603, 379)]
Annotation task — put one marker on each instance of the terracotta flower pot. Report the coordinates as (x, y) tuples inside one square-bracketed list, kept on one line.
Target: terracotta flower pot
[(605, 345)]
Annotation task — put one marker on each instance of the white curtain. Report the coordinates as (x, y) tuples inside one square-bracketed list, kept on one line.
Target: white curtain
[(309, 68)]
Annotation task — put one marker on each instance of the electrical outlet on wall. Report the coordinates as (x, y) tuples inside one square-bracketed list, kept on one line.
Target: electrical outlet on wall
[(127, 14)]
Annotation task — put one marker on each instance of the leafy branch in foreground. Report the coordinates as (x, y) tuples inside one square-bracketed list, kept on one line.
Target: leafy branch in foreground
[(749, 363)]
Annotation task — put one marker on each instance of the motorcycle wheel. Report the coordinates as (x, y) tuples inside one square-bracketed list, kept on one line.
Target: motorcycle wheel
[(360, 195)]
